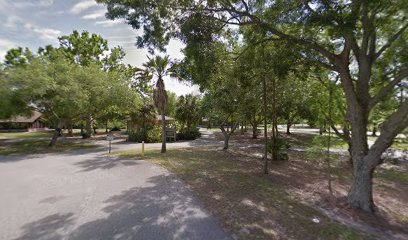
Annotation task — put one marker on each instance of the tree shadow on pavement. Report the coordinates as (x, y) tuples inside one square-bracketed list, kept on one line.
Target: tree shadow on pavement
[(103, 162), (163, 209), (47, 228)]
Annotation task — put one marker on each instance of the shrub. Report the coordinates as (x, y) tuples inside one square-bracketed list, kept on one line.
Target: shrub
[(154, 135), (280, 149), (149, 135), (191, 135), (137, 136)]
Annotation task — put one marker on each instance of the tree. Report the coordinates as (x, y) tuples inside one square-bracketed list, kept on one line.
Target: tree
[(18, 57), (368, 35), (47, 85), (84, 48), (160, 67), (187, 111), (221, 100), (89, 51), (171, 107)]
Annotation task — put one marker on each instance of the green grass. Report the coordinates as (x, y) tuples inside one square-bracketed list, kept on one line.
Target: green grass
[(392, 175), (35, 147), (305, 140), (135, 154), (400, 144), (26, 135), (338, 231), (241, 197)]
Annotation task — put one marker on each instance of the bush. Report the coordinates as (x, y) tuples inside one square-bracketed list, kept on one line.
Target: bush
[(154, 135), (280, 149), (191, 135), (137, 136), (150, 135)]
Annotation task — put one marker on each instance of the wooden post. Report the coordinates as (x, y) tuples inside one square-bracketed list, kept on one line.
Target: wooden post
[(142, 148)]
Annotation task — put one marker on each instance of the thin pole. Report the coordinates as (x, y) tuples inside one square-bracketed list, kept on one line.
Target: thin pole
[(266, 171), (142, 148), (329, 142)]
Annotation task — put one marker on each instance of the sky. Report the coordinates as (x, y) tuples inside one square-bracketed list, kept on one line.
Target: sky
[(36, 23)]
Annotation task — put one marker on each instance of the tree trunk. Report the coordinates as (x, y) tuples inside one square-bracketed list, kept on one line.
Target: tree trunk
[(227, 134), (288, 128), (55, 136), (360, 194), (226, 140), (374, 134), (275, 150), (88, 127), (70, 130), (164, 137), (106, 126), (350, 155), (254, 131), (266, 168), (188, 126)]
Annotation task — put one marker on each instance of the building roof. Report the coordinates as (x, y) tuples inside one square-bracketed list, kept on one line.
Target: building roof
[(22, 119)]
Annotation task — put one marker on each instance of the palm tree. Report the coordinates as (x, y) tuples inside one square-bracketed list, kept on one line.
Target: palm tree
[(160, 67)]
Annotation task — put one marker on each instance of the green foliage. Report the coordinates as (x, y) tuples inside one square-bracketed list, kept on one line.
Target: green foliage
[(188, 111), (80, 79), (144, 116), (184, 134), (154, 135), (17, 57), (85, 48), (148, 135), (171, 104), (318, 150), (279, 148)]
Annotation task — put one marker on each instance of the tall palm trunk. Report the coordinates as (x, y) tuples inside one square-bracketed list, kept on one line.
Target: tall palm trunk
[(164, 137), (160, 100)]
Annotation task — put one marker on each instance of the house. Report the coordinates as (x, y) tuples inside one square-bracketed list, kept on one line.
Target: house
[(22, 123)]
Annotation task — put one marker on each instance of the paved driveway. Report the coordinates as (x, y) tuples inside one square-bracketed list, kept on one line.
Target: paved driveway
[(86, 195)]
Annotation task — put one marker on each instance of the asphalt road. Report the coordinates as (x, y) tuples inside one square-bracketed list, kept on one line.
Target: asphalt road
[(87, 195)]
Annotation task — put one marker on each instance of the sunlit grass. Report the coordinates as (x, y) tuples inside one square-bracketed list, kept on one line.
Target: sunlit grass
[(40, 146), (135, 154), (25, 135)]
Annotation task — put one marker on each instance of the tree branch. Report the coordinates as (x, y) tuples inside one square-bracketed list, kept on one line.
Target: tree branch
[(388, 88), (397, 122), (391, 40)]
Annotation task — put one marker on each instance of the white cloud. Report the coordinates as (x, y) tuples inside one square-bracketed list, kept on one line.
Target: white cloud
[(82, 6), (43, 33), (12, 22), (109, 23), (38, 3), (95, 15)]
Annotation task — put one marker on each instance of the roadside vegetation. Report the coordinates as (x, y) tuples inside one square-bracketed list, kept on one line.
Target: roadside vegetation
[(286, 204), (29, 146)]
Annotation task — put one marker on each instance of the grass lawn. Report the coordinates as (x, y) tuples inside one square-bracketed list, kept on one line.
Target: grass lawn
[(39, 146), (25, 135), (280, 205)]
